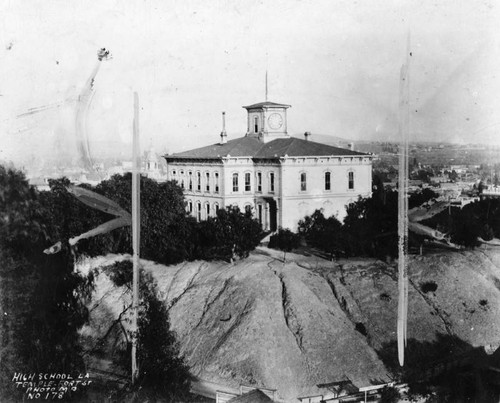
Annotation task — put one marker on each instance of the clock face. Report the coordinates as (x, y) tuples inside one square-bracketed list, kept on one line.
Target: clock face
[(275, 121)]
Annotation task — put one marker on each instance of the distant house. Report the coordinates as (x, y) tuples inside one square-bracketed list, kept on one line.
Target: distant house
[(279, 178)]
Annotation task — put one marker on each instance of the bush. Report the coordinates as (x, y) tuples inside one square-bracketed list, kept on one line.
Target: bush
[(323, 233), (231, 233), (389, 395), (284, 240), (428, 286)]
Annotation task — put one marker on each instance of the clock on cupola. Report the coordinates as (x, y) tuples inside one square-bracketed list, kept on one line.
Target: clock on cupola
[(267, 121)]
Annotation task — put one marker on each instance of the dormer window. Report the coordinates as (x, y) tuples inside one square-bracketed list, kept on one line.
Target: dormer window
[(256, 124)]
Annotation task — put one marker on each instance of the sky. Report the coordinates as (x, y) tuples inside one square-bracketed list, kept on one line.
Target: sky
[(336, 62)]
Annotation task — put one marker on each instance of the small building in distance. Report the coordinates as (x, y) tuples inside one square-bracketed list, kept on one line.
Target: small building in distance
[(281, 179)]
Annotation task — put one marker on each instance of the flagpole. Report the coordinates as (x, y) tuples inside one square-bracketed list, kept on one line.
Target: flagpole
[(136, 223)]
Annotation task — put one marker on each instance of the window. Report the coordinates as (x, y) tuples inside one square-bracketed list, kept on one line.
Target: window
[(190, 181), (216, 207), (351, 180), (190, 207), (235, 182), (256, 124), (259, 181), (216, 182), (259, 209), (247, 182), (303, 182), (271, 182), (248, 209), (174, 173), (198, 208), (182, 184), (198, 181), (207, 207), (328, 184), (207, 178)]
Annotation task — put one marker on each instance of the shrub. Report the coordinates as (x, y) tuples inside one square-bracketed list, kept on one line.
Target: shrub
[(389, 395), (231, 233), (284, 240), (428, 286)]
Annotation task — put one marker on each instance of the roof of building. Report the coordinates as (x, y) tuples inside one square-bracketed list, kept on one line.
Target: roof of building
[(254, 396), (266, 105), (253, 147)]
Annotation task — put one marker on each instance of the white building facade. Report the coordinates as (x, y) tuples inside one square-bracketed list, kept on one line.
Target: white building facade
[(281, 179)]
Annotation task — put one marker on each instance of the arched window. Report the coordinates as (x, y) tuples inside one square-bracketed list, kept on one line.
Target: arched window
[(182, 183), (207, 179), (259, 213), (216, 208), (256, 124), (248, 208), (198, 181), (198, 208), (271, 181), (303, 182), (190, 207), (190, 183), (351, 179), (207, 209), (235, 182), (328, 184), (247, 182)]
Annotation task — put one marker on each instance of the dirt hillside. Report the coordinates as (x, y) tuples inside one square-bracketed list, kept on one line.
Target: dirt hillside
[(290, 326)]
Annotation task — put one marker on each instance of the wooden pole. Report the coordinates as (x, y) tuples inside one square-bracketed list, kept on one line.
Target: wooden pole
[(404, 127), (136, 228)]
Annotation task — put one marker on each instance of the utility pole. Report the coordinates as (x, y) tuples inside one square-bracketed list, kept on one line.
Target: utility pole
[(136, 230), (404, 128)]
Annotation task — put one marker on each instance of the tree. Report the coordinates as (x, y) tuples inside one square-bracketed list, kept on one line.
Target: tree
[(163, 373), (166, 228), (43, 299), (284, 240), (231, 233)]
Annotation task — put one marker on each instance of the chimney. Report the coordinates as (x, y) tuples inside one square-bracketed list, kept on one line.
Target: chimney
[(223, 134), (307, 135)]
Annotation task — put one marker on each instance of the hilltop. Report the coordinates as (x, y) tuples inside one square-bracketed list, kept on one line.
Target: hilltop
[(291, 326)]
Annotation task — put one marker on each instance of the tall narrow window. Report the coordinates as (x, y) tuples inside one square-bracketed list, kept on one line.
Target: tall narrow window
[(207, 178), (259, 208), (271, 182), (190, 207), (198, 181), (235, 182), (190, 181), (207, 207), (216, 182), (182, 183), (303, 182), (248, 209), (328, 184), (198, 208), (216, 208), (259, 181), (247, 182), (256, 124), (351, 180)]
